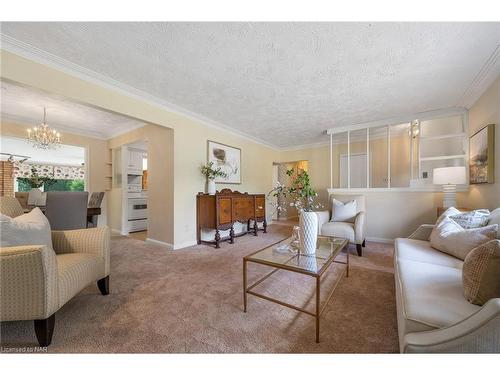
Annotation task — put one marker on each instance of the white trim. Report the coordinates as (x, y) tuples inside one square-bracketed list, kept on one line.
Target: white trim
[(348, 160), (368, 158), (380, 240), (185, 244), (116, 231), (421, 189), (428, 115), (389, 156), (160, 243), (483, 80), (37, 55), (331, 160)]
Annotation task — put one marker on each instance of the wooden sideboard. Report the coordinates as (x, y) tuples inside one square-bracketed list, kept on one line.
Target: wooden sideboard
[(220, 211)]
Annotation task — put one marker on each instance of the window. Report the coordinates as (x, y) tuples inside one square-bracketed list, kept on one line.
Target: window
[(397, 155)]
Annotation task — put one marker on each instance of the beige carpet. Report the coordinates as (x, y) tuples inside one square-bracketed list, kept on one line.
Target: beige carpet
[(191, 301)]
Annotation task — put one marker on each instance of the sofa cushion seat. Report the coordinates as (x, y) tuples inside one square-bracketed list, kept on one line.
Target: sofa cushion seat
[(421, 251), (432, 295), (339, 229), (75, 272)]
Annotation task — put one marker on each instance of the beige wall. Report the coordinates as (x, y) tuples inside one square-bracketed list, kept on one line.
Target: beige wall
[(485, 111), (190, 136), (96, 155), (160, 181)]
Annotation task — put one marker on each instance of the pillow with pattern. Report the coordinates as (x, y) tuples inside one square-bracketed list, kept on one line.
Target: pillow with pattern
[(472, 219)]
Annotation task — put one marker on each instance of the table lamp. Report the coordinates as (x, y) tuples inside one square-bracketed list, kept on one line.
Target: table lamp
[(449, 177)]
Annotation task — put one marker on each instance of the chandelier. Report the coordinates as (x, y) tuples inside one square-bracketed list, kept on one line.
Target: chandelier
[(42, 136)]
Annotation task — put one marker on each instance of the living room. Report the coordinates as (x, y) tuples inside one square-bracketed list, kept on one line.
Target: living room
[(277, 153)]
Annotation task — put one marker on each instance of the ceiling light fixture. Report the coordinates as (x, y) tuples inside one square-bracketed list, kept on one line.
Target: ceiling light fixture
[(42, 136)]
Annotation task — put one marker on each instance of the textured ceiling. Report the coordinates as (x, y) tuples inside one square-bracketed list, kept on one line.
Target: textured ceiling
[(283, 83), (25, 104)]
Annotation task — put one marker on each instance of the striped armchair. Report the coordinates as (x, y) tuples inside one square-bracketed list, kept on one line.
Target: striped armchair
[(36, 281)]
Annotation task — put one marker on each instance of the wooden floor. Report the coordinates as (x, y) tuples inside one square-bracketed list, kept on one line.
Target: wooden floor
[(142, 235)]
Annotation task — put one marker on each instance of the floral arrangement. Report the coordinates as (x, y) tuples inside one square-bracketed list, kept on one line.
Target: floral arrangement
[(212, 173), (301, 193)]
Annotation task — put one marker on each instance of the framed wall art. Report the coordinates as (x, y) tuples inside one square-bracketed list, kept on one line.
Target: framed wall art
[(228, 158), (482, 156)]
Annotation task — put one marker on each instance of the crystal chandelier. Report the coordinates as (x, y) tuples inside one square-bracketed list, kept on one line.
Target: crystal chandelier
[(42, 136)]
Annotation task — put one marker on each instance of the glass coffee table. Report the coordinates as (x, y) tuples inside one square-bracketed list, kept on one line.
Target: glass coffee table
[(279, 257)]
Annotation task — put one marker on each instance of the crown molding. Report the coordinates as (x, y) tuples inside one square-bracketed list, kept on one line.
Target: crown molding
[(486, 76), (37, 55)]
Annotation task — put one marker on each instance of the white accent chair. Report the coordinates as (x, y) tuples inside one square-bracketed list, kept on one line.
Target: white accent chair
[(354, 229), (432, 312)]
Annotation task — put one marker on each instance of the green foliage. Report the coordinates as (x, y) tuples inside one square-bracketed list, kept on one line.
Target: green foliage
[(301, 193), (35, 180), (212, 173)]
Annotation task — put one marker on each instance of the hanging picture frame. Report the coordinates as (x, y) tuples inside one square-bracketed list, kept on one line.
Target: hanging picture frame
[(482, 156), (228, 158)]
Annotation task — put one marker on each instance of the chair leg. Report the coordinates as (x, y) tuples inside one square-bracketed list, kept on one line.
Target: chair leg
[(364, 243), (44, 328), (359, 249), (103, 285)]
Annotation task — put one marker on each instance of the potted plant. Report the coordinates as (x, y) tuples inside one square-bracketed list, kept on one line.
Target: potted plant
[(303, 198), (35, 181), (211, 174)]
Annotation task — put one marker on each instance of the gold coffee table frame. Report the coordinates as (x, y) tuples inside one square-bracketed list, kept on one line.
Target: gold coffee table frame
[(328, 248)]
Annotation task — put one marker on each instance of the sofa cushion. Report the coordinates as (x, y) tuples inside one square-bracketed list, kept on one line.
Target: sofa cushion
[(338, 229), (481, 273), (472, 219), (421, 251), (431, 295), (76, 271), (494, 218), (343, 211), (451, 238), (32, 228)]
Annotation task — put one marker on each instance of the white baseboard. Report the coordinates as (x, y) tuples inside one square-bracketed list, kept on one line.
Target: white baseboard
[(116, 231), (381, 240), (185, 244), (161, 243)]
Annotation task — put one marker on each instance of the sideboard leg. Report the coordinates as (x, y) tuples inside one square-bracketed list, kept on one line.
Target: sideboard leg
[(231, 234), (217, 238), (255, 227), (264, 224)]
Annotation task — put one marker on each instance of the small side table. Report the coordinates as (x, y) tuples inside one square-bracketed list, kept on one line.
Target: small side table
[(440, 210)]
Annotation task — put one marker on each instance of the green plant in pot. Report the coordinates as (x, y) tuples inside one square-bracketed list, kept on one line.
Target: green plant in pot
[(211, 173), (303, 197)]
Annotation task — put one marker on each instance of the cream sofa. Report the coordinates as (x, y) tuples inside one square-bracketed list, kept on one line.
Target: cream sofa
[(36, 281), (353, 230), (433, 314)]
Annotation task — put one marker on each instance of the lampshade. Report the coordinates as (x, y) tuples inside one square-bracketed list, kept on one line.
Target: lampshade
[(449, 176)]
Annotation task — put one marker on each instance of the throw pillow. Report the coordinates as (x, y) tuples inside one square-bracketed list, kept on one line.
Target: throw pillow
[(472, 219), (449, 212), (343, 211), (480, 273), (32, 228), (495, 219), (450, 238)]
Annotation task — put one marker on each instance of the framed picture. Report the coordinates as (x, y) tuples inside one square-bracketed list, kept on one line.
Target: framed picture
[(228, 159), (482, 156)]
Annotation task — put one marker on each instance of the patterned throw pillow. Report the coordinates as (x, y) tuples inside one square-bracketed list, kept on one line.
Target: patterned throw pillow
[(480, 273), (451, 238), (472, 219)]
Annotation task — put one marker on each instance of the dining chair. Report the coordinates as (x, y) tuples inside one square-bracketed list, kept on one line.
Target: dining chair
[(94, 202), (33, 195), (22, 197), (67, 210)]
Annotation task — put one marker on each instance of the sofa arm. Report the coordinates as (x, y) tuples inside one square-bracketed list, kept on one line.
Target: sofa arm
[(323, 218), (28, 283), (90, 241), (423, 232), (479, 333), (359, 227)]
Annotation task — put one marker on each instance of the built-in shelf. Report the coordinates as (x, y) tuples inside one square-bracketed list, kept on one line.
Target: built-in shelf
[(109, 163), (108, 176)]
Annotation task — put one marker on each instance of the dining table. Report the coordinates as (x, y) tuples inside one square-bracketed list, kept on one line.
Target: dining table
[(92, 214)]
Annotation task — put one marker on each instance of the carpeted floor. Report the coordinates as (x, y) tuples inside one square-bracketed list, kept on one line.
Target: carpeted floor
[(190, 300)]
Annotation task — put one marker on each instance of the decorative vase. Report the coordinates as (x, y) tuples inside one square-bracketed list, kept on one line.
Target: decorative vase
[(308, 233), (211, 187)]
